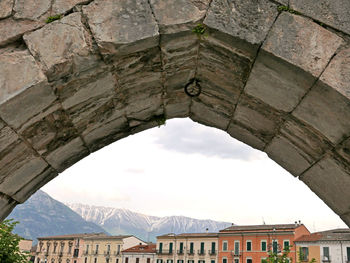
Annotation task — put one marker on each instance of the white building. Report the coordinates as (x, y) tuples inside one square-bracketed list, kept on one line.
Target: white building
[(140, 254), (327, 246)]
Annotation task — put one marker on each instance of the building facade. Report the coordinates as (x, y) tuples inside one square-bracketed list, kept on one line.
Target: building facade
[(187, 248), (327, 246), (108, 249), (83, 248), (252, 243), (61, 249), (140, 254)]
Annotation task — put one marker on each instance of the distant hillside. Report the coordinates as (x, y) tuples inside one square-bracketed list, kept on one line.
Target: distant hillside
[(42, 215), (123, 221)]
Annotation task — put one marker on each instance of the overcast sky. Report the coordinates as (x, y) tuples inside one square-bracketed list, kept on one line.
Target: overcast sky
[(184, 168)]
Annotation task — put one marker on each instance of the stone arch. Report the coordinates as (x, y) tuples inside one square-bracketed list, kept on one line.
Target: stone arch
[(76, 75)]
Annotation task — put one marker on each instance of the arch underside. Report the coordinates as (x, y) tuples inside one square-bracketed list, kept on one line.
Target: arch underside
[(277, 81)]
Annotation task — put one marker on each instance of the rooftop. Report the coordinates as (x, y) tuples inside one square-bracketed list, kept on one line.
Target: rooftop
[(73, 236), (150, 248), (339, 234), (184, 235), (120, 237), (277, 227)]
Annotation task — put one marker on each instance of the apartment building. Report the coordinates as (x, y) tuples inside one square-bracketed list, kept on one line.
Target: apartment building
[(61, 249), (326, 247), (140, 254), (187, 248), (108, 249), (251, 243)]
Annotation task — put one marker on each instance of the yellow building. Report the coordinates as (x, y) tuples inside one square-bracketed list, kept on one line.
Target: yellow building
[(187, 248), (62, 249), (108, 249)]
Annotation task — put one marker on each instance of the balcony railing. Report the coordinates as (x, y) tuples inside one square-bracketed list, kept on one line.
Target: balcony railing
[(190, 252), (165, 252), (86, 252), (236, 253), (60, 254), (95, 252), (201, 252), (326, 259), (180, 252), (107, 253), (213, 252), (116, 253)]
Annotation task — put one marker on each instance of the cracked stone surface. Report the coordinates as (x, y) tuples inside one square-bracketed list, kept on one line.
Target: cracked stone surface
[(278, 82), (6, 8)]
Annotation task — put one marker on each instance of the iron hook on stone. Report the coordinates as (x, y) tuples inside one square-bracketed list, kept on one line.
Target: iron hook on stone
[(193, 88)]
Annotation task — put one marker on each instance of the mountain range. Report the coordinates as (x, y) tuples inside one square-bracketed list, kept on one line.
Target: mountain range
[(123, 221), (41, 215)]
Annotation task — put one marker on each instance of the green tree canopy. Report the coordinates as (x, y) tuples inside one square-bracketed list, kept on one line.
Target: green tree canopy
[(9, 244)]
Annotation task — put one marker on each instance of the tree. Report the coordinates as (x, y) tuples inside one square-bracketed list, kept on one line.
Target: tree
[(9, 244), (284, 257)]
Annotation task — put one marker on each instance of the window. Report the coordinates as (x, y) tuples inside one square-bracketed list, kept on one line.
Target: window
[(304, 253), (160, 248), (190, 261), (85, 260), (263, 260), (148, 260), (118, 249), (107, 260), (76, 252), (95, 261), (348, 253), (236, 260), (191, 248), (96, 251), (201, 252), (117, 260), (180, 261), (70, 247), (286, 244), (87, 249), (249, 245), (201, 261), (108, 248), (275, 246), (263, 245), (159, 260), (126, 260), (169, 261), (224, 246), (181, 250), (75, 261), (236, 248), (326, 253), (212, 248), (170, 248), (224, 260), (137, 260), (54, 247), (212, 261), (249, 260)]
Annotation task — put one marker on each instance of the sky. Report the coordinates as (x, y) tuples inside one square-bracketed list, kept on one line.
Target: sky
[(184, 168)]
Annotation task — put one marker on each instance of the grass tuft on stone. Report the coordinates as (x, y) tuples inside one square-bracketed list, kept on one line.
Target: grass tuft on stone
[(50, 19)]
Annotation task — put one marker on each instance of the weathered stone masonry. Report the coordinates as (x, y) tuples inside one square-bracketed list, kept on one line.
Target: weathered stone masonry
[(274, 74)]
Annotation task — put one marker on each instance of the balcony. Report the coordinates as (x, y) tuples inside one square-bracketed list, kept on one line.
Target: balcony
[(116, 253), (213, 252), (236, 253), (164, 252), (190, 252), (86, 252), (326, 259), (201, 252), (95, 252), (180, 252), (107, 253), (60, 254)]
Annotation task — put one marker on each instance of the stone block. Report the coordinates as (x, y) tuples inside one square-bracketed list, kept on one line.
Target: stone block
[(63, 47), (67, 155), (181, 15), (63, 6), (257, 117), (247, 20), (209, 112), (294, 54), (49, 130), (302, 43), (331, 182), (35, 184), (6, 206), (245, 136), (107, 131), (12, 30), (21, 83), (344, 149), (329, 12), (177, 105), (31, 9), (18, 178), (222, 70), (327, 106), (5, 8), (122, 27), (288, 155)]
